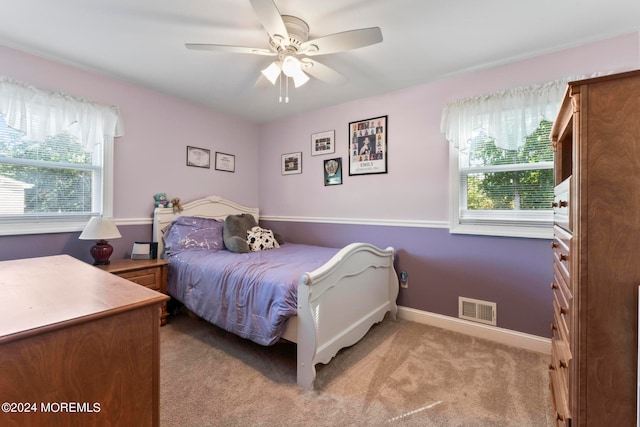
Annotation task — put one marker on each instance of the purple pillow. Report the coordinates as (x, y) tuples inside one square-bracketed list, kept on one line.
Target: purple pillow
[(191, 232)]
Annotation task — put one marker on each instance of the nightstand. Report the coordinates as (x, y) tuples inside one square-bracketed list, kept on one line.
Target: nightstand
[(151, 273)]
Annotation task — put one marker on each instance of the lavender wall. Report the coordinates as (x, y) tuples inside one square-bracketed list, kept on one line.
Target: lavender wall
[(38, 245), (515, 273), (150, 157)]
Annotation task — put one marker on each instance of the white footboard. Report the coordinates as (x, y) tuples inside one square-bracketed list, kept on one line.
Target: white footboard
[(340, 301)]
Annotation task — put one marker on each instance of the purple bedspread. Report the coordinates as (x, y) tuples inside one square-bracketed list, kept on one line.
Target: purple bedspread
[(251, 295)]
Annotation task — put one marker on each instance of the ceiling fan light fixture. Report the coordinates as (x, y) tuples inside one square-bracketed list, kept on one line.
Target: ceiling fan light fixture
[(272, 72), (291, 66), (300, 78)]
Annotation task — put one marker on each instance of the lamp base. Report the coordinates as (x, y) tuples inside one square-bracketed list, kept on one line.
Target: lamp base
[(101, 252)]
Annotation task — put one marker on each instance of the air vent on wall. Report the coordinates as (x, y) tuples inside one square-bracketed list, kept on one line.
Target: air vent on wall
[(477, 311)]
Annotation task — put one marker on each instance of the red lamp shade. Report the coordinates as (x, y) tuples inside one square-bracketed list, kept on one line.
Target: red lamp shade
[(100, 229)]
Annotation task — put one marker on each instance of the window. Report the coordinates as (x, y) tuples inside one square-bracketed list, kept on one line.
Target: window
[(502, 162), (55, 160), (511, 189)]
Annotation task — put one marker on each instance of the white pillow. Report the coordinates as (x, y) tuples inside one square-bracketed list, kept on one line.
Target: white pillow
[(260, 239)]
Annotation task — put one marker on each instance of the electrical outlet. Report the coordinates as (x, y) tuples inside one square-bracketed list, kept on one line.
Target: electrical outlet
[(404, 279)]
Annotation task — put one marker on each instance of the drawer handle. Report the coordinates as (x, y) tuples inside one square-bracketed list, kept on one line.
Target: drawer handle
[(563, 310), (563, 257), (563, 365), (553, 327), (554, 285), (551, 367), (563, 204), (554, 245)]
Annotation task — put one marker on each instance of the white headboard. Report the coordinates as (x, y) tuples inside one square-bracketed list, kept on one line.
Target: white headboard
[(211, 207)]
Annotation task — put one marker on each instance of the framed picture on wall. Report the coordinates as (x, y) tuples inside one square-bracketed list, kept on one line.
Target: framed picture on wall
[(198, 157), (225, 162), (368, 146), (323, 143), (333, 171), (292, 163)]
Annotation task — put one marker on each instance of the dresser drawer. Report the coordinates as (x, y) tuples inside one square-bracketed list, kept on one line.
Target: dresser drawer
[(560, 365), (561, 208), (559, 397), (562, 252), (559, 382), (561, 281), (560, 296), (561, 334), (148, 277)]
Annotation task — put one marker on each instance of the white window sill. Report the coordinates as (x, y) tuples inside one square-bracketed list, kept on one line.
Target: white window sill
[(503, 231), (41, 228)]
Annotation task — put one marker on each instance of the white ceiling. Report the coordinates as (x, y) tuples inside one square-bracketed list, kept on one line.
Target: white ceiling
[(142, 42)]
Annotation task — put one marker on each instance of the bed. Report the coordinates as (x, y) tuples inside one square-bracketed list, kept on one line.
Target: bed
[(335, 304)]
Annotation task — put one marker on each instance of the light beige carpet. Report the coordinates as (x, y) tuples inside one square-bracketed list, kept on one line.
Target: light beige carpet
[(401, 373)]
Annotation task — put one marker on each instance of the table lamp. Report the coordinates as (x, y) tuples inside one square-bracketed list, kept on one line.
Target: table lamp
[(100, 229)]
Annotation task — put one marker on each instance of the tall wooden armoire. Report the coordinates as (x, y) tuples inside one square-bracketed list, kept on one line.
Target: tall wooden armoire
[(596, 247)]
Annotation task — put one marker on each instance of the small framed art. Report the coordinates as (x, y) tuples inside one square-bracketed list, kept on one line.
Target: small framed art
[(225, 162), (368, 146), (198, 157), (333, 171), (292, 163), (323, 143)]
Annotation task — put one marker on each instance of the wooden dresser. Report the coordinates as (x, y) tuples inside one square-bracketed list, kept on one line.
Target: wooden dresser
[(151, 273), (596, 248), (78, 346)]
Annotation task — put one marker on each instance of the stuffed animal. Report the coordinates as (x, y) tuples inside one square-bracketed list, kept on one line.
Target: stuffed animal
[(177, 206), (234, 232), (161, 201)]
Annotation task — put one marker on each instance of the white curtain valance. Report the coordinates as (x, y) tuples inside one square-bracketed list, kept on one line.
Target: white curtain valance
[(40, 114), (507, 117)]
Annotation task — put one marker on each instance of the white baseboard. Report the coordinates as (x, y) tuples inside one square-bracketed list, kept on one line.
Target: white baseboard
[(503, 336)]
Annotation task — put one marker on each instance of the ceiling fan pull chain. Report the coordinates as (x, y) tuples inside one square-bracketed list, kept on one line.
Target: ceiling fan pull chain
[(286, 98)]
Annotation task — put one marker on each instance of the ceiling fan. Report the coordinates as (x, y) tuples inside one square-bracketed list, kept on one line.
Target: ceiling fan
[(288, 39)]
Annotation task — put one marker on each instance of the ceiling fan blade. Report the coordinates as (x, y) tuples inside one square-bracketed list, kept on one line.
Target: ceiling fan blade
[(339, 42), (322, 72), (271, 20), (262, 82), (231, 49)]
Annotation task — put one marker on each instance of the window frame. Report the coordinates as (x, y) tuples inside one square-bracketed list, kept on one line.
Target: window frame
[(493, 226), (66, 223)]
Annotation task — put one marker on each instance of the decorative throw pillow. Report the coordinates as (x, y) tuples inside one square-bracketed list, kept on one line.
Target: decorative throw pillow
[(260, 239), (235, 232), (190, 232)]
